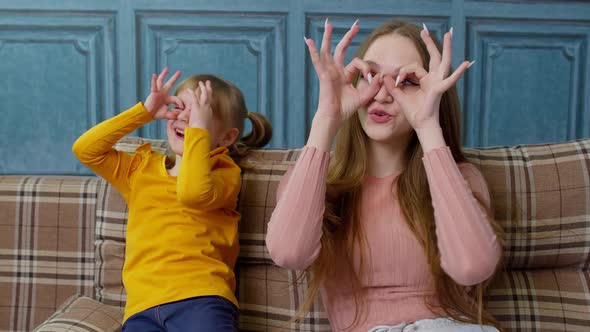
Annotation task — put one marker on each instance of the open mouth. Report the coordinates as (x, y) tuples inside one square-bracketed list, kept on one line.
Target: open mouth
[(179, 133)]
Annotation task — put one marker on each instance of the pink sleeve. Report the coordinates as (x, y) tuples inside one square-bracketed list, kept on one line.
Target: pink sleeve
[(468, 246), (295, 227)]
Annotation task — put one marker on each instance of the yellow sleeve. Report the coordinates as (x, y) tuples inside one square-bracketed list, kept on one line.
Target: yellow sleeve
[(95, 147), (204, 182)]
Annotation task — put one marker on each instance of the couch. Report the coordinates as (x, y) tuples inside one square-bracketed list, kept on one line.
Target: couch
[(62, 245)]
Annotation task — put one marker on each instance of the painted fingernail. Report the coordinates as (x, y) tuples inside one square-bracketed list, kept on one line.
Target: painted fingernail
[(355, 23), (471, 64), (369, 78), (451, 32), (397, 81), (425, 29)]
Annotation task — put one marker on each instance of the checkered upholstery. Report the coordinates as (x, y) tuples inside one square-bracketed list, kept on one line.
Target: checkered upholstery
[(541, 195)]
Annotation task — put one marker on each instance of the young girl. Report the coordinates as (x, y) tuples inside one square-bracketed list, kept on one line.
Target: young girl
[(394, 228), (182, 241)]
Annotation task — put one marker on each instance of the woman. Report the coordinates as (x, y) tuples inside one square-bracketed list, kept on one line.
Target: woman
[(395, 227)]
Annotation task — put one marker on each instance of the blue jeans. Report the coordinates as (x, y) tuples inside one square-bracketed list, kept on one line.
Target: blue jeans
[(205, 313)]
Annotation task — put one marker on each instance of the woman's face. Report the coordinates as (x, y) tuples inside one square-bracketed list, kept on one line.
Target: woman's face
[(382, 119)]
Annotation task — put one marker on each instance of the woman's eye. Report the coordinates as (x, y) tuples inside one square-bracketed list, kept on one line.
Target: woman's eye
[(409, 83)]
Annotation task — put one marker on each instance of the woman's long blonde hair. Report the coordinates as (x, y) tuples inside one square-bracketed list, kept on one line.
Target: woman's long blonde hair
[(341, 226)]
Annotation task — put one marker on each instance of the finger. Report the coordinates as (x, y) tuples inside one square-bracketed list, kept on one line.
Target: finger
[(340, 50), (413, 68), (176, 101), (355, 66), (202, 93), (397, 94), (456, 75), (369, 92), (432, 50), (209, 91), (172, 115), (161, 77), (154, 84), (170, 83), (445, 64), (313, 53), (326, 48)]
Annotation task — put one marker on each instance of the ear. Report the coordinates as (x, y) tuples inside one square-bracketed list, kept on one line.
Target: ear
[(230, 136)]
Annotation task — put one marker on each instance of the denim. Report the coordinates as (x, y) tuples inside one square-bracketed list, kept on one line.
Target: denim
[(435, 325), (199, 314)]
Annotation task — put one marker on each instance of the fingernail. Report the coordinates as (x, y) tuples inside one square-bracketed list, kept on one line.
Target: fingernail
[(396, 81), (425, 29), (326, 23), (355, 23), (451, 32), (471, 64), (305, 39), (369, 78)]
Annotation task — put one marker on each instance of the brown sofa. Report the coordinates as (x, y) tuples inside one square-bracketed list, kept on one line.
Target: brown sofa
[(62, 246)]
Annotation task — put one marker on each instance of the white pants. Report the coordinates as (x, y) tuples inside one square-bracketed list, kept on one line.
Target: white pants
[(437, 324)]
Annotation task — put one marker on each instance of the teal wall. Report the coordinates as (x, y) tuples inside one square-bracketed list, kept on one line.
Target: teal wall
[(67, 65)]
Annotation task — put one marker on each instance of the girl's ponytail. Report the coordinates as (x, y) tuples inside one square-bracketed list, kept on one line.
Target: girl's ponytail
[(259, 136)]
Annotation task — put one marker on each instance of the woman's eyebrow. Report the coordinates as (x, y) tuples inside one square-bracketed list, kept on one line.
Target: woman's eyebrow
[(374, 66), (377, 68)]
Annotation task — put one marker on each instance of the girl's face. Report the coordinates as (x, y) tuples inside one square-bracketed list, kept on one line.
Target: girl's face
[(175, 128), (382, 119)]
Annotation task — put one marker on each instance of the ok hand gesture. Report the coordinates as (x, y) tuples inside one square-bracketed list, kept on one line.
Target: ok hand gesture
[(338, 98), (159, 98), (421, 106)]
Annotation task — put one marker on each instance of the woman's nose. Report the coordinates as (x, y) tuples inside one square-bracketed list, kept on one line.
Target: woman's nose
[(383, 96)]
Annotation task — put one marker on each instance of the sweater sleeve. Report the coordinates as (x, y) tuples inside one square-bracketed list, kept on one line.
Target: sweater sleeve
[(95, 147), (295, 227), (206, 182), (467, 243)]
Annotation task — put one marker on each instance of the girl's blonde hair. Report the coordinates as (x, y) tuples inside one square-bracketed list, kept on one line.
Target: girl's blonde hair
[(229, 106), (341, 226)]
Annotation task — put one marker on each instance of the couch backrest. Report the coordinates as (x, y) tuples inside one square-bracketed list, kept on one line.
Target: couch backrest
[(46, 246), (541, 196)]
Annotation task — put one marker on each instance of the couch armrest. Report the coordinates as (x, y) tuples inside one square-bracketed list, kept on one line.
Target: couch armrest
[(85, 314)]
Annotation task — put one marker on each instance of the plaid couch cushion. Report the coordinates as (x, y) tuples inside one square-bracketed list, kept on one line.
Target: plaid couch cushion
[(541, 300), (83, 314), (541, 195), (46, 246)]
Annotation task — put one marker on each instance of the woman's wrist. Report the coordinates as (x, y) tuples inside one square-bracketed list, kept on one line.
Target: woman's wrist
[(323, 131), (431, 137)]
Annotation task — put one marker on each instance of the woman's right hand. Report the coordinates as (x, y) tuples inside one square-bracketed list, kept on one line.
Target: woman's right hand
[(338, 98), (157, 102)]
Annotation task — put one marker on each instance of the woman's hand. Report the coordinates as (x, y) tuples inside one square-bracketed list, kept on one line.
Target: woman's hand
[(338, 98), (419, 92), (159, 98)]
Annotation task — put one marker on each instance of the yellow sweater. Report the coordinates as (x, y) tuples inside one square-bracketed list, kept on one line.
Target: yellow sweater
[(182, 238)]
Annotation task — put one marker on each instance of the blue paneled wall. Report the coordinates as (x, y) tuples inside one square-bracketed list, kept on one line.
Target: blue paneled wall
[(67, 65)]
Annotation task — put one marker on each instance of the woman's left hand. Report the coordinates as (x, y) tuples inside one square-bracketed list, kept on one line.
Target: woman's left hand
[(420, 103)]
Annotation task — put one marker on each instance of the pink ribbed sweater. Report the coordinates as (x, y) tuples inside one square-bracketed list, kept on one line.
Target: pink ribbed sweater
[(395, 274)]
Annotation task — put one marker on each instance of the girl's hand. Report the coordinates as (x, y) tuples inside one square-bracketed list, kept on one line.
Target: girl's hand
[(201, 113), (419, 92), (338, 98), (157, 102)]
